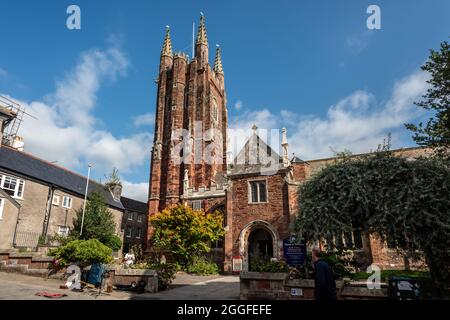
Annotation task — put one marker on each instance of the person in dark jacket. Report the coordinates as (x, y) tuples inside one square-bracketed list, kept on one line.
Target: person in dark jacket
[(325, 286)]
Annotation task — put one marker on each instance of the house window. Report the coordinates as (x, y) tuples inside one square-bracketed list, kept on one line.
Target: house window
[(67, 202), (197, 205), (358, 239), (217, 244), (129, 232), (138, 233), (350, 240), (130, 216), (12, 186), (258, 191), (63, 231), (139, 218), (55, 201), (2, 204)]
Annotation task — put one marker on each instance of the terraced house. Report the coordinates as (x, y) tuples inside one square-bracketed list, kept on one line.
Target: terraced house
[(39, 199)]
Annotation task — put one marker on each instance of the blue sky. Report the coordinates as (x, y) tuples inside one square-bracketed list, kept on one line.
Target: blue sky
[(310, 66)]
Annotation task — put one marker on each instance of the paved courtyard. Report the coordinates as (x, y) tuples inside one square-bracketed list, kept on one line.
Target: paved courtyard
[(185, 287)]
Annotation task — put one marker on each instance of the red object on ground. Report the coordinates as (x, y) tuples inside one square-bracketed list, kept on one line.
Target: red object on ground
[(51, 295)]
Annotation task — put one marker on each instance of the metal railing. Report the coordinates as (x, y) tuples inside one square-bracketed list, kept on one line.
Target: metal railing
[(25, 239)]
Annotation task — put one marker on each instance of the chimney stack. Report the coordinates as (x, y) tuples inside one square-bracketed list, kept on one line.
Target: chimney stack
[(116, 190)]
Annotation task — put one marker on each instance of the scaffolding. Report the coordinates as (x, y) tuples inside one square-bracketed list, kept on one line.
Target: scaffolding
[(10, 133)]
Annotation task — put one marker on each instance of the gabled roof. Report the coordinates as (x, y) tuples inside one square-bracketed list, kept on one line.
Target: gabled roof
[(255, 157), (134, 205), (27, 165)]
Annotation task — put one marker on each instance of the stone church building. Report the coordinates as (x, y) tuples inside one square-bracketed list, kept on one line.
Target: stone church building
[(256, 190)]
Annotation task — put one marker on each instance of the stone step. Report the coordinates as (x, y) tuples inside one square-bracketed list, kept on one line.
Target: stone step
[(19, 268)]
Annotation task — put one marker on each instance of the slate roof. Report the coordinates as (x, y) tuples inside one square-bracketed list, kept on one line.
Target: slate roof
[(134, 205), (296, 159), (27, 165)]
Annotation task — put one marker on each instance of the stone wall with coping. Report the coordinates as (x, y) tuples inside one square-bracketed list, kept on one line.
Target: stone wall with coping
[(277, 286)]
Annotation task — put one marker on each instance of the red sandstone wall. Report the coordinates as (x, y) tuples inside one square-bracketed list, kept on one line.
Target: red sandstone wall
[(275, 211)]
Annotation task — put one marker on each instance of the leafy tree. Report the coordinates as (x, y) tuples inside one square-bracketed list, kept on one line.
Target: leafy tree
[(404, 201), (84, 251), (186, 233), (98, 223), (436, 132)]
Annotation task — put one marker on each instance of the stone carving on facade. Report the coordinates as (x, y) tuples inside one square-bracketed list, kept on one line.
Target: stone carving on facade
[(186, 181), (157, 148)]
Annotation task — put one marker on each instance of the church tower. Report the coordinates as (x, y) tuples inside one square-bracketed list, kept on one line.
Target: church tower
[(191, 100)]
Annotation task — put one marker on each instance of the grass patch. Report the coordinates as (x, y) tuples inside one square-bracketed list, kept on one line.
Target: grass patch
[(385, 274)]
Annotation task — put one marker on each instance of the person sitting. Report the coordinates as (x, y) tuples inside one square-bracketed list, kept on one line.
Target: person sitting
[(129, 259)]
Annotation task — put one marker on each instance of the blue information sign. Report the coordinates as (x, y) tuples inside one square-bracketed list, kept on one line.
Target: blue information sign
[(294, 251)]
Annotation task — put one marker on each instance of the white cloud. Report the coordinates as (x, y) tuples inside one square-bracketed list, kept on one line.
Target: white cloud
[(3, 73), (238, 105), (146, 119), (67, 131), (357, 122), (137, 191)]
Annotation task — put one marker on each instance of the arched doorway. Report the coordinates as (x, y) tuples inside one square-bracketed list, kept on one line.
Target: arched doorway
[(260, 246), (251, 234)]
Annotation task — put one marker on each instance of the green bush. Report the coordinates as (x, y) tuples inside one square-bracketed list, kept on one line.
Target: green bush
[(85, 252), (260, 264), (42, 240), (202, 266), (341, 262), (166, 273), (113, 242), (61, 240)]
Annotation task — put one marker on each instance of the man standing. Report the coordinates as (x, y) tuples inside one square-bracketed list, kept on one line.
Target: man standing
[(325, 286)]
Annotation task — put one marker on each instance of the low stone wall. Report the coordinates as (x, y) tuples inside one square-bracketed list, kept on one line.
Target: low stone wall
[(25, 262), (262, 285), (277, 286), (303, 289), (128, 276), (359, 291)]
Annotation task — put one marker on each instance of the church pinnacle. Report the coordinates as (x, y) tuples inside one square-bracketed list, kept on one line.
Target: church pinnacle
[(218, 68), (167, 45), (201, 35)]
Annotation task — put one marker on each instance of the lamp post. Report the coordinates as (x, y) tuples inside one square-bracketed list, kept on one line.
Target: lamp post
[(85, 198)]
